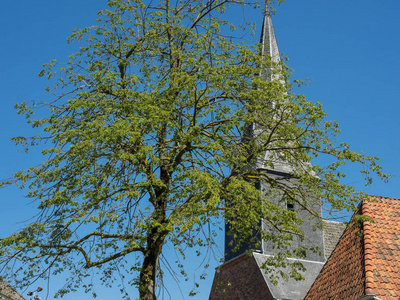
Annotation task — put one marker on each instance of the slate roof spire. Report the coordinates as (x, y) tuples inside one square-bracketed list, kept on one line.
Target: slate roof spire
[(268, 42), (269, 48)]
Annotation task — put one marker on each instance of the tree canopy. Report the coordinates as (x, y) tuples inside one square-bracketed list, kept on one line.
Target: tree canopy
[(147, 146)]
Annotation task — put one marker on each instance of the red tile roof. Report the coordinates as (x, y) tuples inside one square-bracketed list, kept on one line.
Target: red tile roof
[(366, 259), (382, 248), (342, 277)]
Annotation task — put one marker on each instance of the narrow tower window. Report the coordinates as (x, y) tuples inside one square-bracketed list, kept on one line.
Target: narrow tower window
[(290, 204)]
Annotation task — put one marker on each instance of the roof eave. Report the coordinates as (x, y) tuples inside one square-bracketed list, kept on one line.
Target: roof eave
[(368, 297)]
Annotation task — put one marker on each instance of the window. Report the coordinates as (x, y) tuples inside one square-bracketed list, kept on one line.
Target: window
[(290, 204)]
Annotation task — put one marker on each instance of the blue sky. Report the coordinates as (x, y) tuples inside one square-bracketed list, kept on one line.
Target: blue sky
[(349, 48)]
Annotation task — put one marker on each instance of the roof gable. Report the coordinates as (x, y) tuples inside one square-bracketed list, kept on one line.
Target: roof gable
[(240, 279), (342, 277), (365, 261)]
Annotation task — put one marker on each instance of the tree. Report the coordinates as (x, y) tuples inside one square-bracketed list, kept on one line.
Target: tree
[(148, 148)]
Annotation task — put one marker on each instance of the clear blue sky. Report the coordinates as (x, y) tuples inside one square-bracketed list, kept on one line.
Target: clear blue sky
[(349, 48)]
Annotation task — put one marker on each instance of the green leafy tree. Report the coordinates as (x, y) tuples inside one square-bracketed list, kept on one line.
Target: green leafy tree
[(147, 146)]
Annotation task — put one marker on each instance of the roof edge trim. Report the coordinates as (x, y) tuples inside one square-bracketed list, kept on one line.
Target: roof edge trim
[(368, 297), (368, 253)]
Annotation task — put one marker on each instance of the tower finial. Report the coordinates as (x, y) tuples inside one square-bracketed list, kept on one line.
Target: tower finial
[(266, 7)]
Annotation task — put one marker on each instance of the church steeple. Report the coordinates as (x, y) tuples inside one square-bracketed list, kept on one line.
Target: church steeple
[(281, 170), (269, 48), (268, 43)]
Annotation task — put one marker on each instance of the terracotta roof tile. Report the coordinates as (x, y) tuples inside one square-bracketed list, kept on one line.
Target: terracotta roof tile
[(385, 251), (368, 263), (343, 276)]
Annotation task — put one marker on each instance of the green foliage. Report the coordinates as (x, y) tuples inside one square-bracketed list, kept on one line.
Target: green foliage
[(147, 146)]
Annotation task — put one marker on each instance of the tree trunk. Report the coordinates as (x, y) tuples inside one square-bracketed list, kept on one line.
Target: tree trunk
[(148, 272)]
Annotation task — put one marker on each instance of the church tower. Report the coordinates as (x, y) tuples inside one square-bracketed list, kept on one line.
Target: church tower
[(244, 274)]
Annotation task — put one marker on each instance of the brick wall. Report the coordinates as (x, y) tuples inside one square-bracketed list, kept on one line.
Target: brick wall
[(239, 279)]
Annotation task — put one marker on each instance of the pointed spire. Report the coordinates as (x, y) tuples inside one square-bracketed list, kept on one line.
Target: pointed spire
[(268, 42), (270, 48)]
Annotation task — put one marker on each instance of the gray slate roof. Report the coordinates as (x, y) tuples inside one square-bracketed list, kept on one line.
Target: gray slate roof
[(332, 233), (7, 292), (291, 289)]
